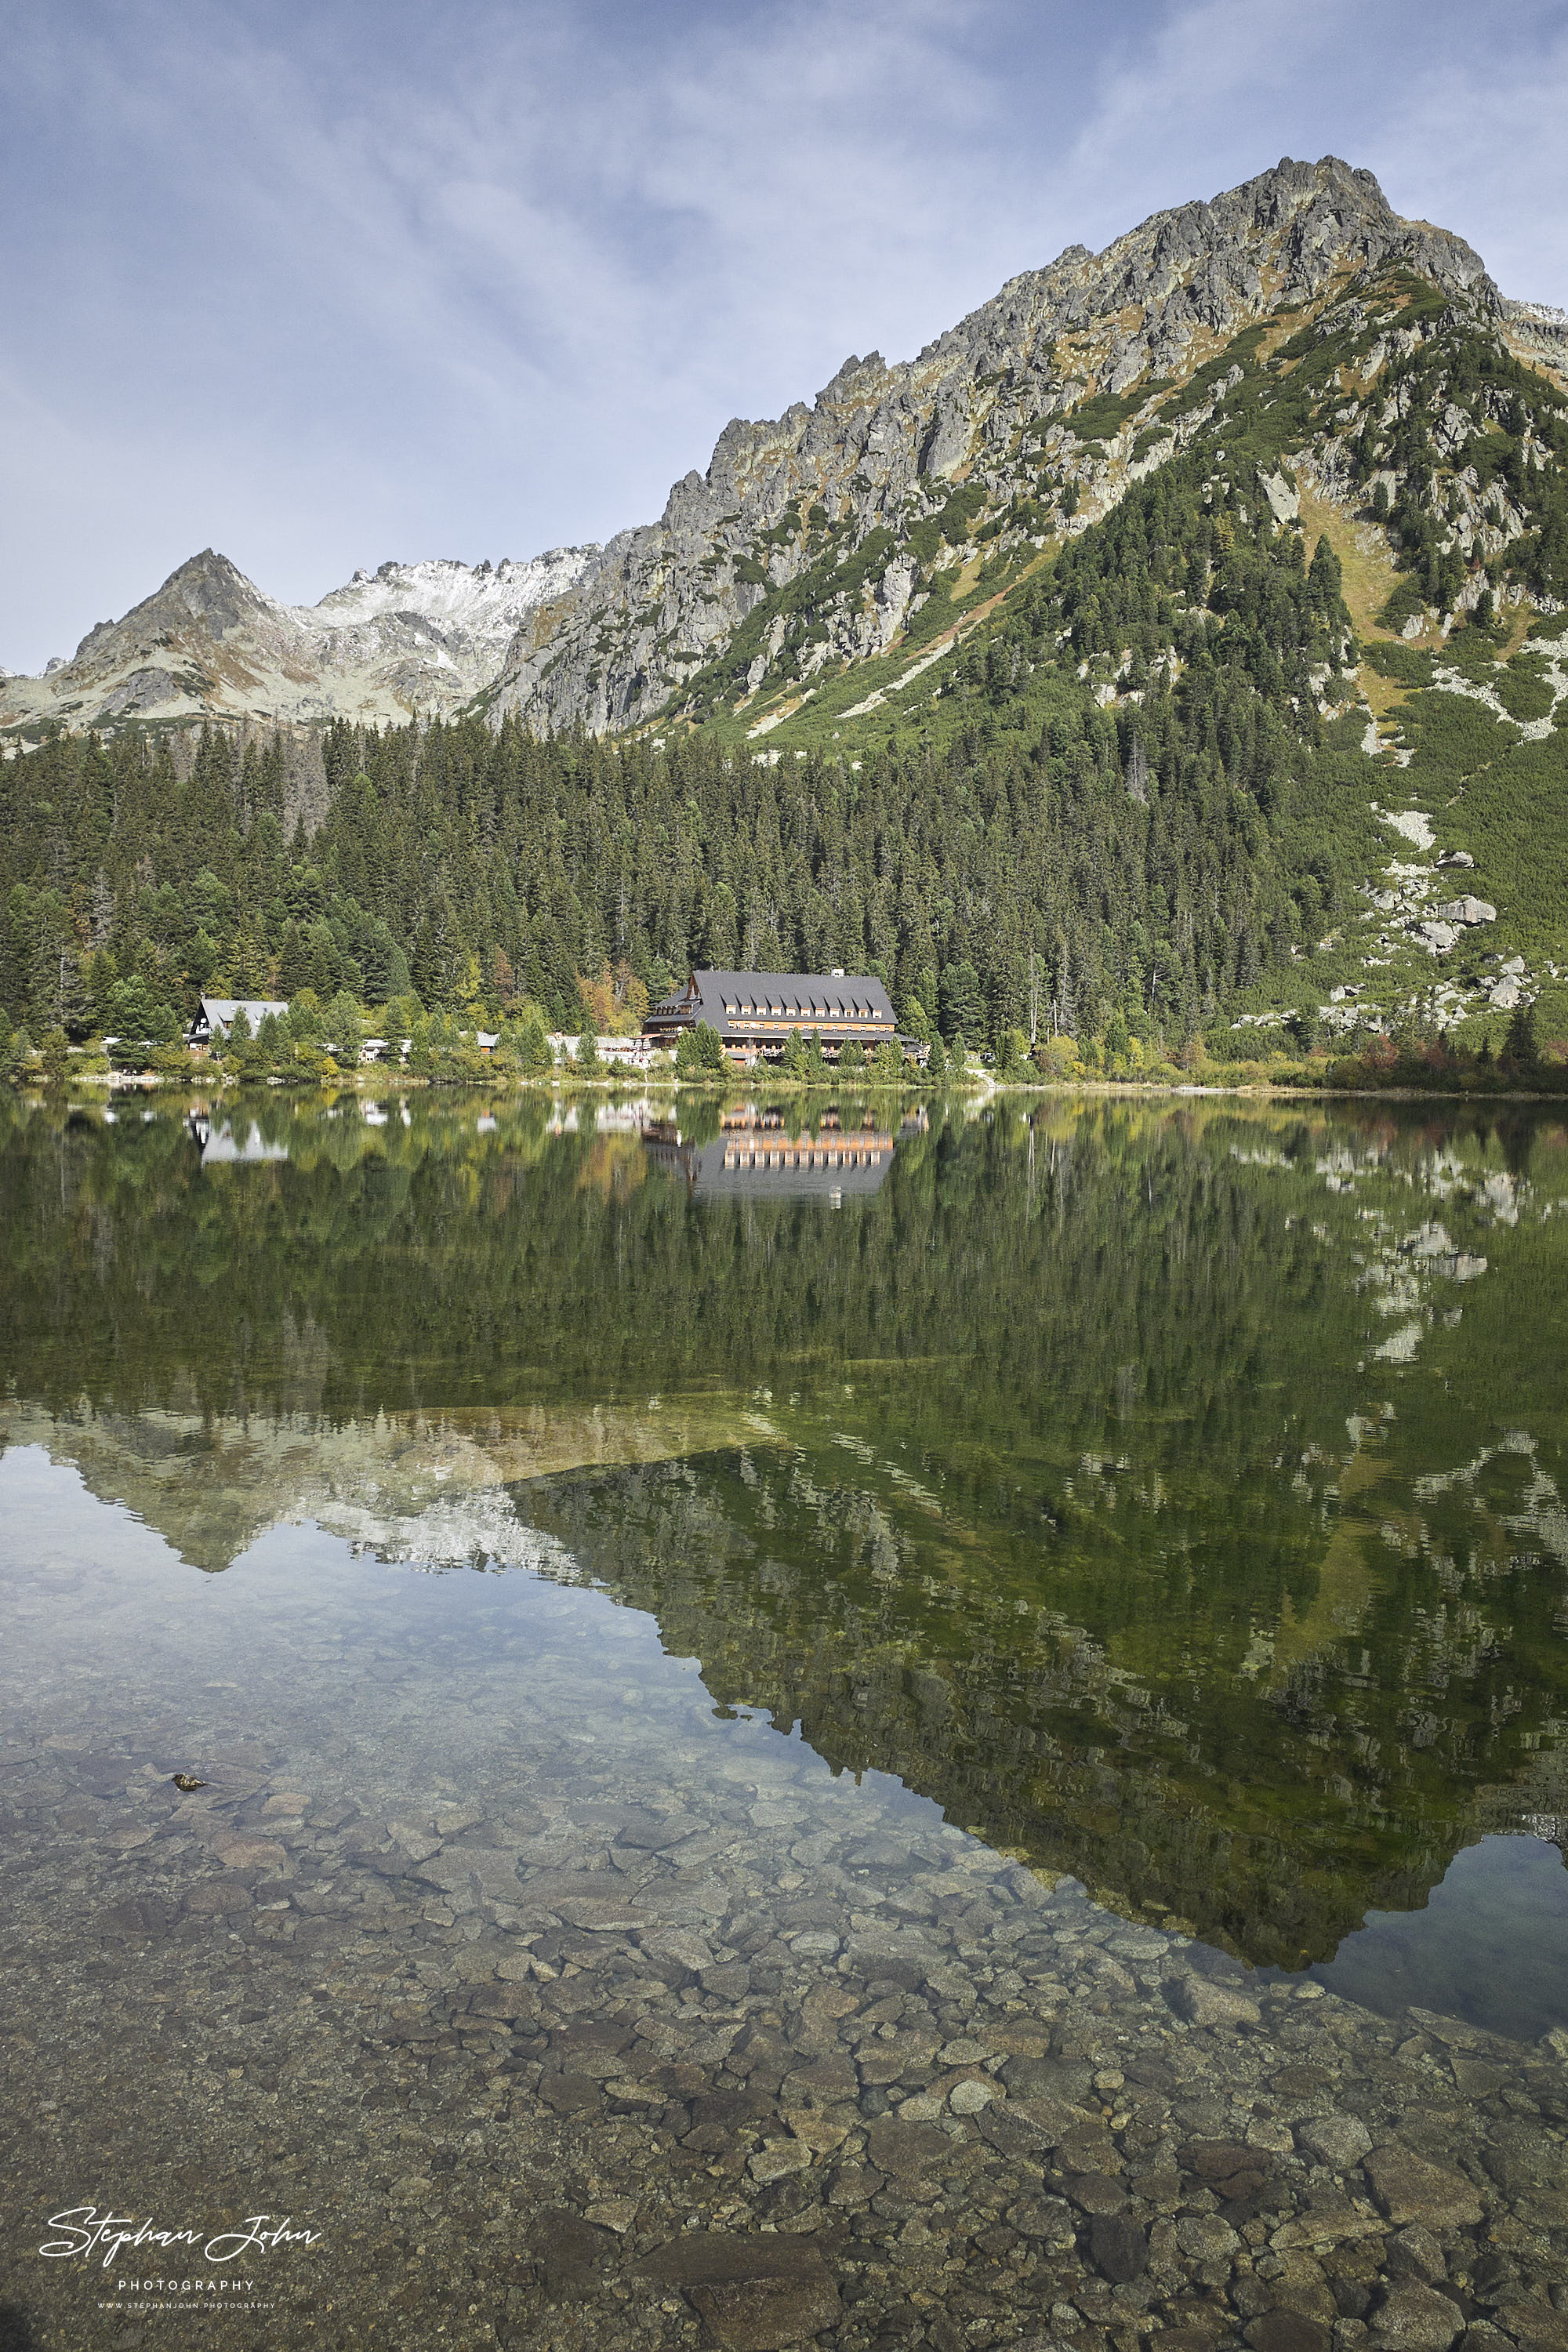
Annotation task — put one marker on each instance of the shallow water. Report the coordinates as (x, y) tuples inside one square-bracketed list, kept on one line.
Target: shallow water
[(1490, 1944), (605, 1572)]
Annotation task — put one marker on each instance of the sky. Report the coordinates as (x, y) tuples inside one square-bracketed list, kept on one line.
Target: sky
[(323, 282)]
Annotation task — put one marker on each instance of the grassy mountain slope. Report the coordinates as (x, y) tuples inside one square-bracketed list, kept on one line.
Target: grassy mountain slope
[(1206, 674), (1395, 427)]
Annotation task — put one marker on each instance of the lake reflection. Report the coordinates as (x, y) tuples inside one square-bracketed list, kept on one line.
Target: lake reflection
[(777, 1152), (1171, 1495)]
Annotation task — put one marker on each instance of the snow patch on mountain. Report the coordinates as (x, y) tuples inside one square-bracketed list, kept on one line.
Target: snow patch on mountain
[(485, 602), (425, 637)]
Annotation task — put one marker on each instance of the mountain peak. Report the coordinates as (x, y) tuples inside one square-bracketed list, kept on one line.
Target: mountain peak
[(209, 642), (813, 541), (885, 446), (206, 594)]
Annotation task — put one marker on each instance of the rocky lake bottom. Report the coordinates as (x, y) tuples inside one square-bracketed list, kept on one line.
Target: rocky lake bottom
[(564, 2010)]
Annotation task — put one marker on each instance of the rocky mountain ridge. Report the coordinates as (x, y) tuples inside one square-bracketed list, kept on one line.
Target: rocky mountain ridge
[(408, 637), (816, 541), (1021, 424)]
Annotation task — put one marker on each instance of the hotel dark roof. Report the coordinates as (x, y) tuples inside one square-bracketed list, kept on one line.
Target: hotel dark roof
[(810, 998)]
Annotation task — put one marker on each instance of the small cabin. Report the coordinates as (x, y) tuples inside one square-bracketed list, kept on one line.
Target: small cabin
[(215, 1015)]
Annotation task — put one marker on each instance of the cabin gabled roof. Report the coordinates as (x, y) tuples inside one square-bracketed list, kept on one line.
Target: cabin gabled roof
[(218, 1011)]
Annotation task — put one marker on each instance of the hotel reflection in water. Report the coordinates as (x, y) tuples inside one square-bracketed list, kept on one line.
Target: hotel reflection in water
[(772, 1155)]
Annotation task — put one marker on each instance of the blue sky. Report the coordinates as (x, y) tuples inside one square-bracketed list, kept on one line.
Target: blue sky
[(319, 283)]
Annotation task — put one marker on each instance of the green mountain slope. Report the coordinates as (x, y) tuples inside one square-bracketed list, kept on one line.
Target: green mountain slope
[(813, 538), (1218, 689), (1355, 624)]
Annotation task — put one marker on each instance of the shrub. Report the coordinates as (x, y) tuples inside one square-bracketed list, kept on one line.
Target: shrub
[(1406, 603), (1522, 690), (1402, 663), (1057, 1058)]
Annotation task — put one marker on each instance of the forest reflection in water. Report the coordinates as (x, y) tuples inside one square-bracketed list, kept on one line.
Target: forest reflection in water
[(1171, 1493)]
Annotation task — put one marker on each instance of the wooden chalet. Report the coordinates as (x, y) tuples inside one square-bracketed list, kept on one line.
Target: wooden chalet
[(756, 1013), (215, 1017)]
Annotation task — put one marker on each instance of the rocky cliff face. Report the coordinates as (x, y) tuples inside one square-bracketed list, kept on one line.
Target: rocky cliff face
[(813, 541), (409, 637), (1031, 399)]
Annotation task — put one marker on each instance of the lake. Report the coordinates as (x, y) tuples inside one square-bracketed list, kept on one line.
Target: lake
[(767, 1691)]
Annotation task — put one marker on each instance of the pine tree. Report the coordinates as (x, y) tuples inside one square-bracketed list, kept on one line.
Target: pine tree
[(1520, 1052), (962, 1011), (534, 1055), (77, 1013)]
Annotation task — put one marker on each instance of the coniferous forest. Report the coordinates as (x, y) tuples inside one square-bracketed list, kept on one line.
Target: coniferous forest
[(1034, 861)]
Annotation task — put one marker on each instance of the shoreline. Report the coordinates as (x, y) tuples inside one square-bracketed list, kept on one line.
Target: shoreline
[(984, 1089)]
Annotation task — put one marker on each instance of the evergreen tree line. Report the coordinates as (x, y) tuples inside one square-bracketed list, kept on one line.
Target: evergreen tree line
[(1055, 865)]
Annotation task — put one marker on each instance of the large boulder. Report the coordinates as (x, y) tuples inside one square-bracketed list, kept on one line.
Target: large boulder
[(1409, 2189)]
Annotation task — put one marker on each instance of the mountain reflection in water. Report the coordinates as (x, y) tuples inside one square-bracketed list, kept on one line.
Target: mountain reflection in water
[(1172, 1494)]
